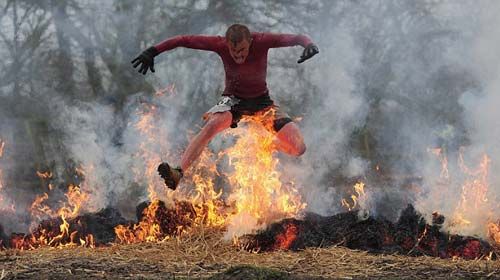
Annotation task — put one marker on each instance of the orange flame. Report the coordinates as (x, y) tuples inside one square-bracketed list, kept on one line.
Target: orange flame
[(206, 201), (284, 240), (2, 146), (38, 210), (357, 199), (163, 91), (474, 189), (256, 190), (146, 125), (148, 229), (44, 175), (42, 236), (445, 174), (494, 232), (475, 208), (75, 200)]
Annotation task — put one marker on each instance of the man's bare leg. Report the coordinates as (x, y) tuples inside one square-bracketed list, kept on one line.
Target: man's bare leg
[(289, 140), (216, 123)]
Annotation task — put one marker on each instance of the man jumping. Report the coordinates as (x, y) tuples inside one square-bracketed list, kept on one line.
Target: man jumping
[(244, 55)]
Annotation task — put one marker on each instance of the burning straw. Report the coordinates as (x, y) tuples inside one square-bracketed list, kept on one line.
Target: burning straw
[(253, 197)]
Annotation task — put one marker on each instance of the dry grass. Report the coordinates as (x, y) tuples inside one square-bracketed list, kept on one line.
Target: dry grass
[(205, 254)]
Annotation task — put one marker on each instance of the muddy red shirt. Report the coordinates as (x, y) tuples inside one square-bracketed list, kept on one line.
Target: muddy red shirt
[(247, 80)]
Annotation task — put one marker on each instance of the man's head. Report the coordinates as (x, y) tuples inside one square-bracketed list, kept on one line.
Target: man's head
[(238, 41)]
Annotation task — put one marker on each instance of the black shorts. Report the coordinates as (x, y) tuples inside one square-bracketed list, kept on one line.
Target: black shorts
[(263, 108)]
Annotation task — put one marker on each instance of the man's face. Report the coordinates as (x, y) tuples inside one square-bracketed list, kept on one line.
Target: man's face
[(239, 51)]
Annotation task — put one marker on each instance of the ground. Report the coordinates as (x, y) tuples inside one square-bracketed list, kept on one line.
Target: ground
[(206, 255)]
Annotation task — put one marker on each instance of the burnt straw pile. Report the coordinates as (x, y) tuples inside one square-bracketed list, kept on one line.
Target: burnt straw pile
[(101, 228), (87, 230), (410, 235), (170, 219)]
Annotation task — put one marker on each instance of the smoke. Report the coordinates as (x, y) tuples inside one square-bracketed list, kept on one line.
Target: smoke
[(475, 54), (393, 79), (427, 74), (409, 77), (481, 59), (336, 109), (88, 130)]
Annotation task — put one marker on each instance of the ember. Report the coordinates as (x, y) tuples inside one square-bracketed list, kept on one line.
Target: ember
[(284, 240), (157, 222), (255, 197), (409, 235), (87, 230)]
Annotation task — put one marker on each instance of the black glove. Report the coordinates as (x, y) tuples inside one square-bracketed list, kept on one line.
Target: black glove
[(309, 52), (146, 59)]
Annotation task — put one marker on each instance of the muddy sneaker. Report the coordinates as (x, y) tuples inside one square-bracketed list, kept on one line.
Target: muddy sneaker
[(170, 175)]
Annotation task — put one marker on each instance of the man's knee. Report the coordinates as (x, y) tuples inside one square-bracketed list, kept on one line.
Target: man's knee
[(297, 148), (290, 134), (300, 149)]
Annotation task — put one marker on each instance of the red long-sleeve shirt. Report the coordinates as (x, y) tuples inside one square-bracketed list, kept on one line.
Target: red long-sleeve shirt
[(247, 80)]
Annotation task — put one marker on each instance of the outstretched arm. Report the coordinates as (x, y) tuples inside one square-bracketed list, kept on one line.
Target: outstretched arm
[(271, 40), (199, 42)]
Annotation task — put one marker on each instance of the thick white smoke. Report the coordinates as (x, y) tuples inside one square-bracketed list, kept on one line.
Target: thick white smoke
[(410, 75), (476, 52), (337, 108)]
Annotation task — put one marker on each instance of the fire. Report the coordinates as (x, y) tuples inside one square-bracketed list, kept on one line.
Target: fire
[(54, 233), (75, 200), (146, 126), (39, 210), (445, 174), (357, 199), (148, 229), (257, 193), (54, 227), (205, 202), (2, 146), (473, 198), (170, 89), (474, 189), (44, 175), (254, 198), (284, 240), (494, 232), (475, 208)]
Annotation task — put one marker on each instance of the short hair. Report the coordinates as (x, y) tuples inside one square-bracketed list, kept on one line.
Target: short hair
[(237, 32)]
